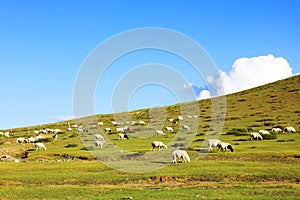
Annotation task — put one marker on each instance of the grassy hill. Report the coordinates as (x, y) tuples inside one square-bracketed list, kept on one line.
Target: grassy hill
[(262, 169)]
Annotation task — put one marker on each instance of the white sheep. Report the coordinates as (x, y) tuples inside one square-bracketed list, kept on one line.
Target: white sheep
[(159, 132), (123, 136), (36, 132), (69, 129), (256, 136), (264, 132), (114, 123), (180, 154), (99, 143), (142, 123), (212, 143), (40, 146), (276, 130), (100, 123), (6, 134), (57, 131), (21, 140), (98, 137), (120, 130), (158, 145), (170, 129), (186, 127), (31, 140), (223, 146), (1, 133), (180, 118), (289, 129), (107, 130)]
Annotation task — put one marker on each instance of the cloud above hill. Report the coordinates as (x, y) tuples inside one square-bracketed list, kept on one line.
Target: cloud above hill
[(247, 73)]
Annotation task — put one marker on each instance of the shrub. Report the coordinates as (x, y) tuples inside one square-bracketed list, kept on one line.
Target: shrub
[(71, 145), (269, 136)]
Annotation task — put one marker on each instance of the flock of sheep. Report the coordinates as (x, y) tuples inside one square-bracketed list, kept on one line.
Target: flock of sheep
[(122, 134)]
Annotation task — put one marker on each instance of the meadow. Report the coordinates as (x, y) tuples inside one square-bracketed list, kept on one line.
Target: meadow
[(267, 169)]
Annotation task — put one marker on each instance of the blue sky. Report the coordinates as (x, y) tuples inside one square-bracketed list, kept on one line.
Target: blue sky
[(44, 43)]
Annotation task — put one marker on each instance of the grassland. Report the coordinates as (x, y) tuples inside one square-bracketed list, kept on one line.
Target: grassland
[(267, 169)]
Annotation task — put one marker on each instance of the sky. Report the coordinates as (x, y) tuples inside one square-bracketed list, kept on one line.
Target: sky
[(45, 43)]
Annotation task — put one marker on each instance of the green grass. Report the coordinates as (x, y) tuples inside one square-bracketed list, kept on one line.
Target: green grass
[(267, 169)]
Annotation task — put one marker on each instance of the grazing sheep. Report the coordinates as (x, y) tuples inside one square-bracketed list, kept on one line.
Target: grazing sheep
[(36, 132), (189, 117), (6, 134), (289, 129), (120, 130), (32, 140), (170, 129), (107, 130), (158, 145), (69, 129), (180, 118), (263, 132), (54, 136), (42, 132), (223, 146), (99, 137), (276, 130), (1, 133), (21, 140), (180, 154), (212, 143), (186, 127), (100, 123), (114, 123), (123, 136), (40, 146), (159, 132), (142, 123), (256, 136), (57, 131), (99, 143)]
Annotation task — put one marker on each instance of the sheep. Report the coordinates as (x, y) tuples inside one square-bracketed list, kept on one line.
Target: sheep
[(99, 143), (114, 123), (180, 154), (42, 132), (36, 132), (69, 129), (107, 130), (120, 130), (21, 140), (186, 127), (159, 132), (170, 129), (100, 123), (263, 132), (256, 136), (123, 136), (80, 130), (180, 118), (142, 123), (1, 133), (40, 146), (189, 117), (54, 136), (159, 145), (289, 129), (99, 137), (276, 130), (223, 146), (57, 131), (6, 134), (32, 140), (212, 143)]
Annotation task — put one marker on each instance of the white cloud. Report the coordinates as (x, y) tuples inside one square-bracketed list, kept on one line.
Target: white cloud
[(247, 73), (64, 118), (204, 94)]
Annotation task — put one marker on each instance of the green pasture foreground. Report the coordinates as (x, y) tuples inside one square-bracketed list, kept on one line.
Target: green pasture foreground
[(276, 177)]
